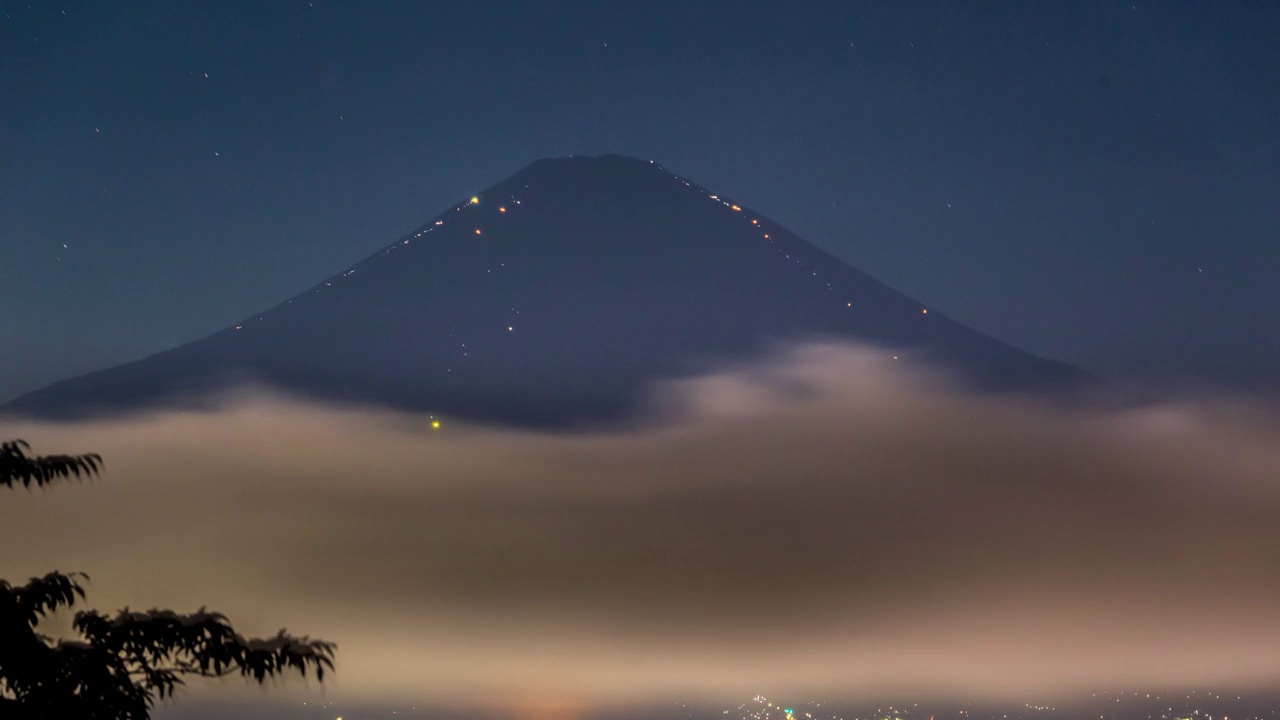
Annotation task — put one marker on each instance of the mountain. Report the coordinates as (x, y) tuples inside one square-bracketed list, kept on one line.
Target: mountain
[(554, 297)]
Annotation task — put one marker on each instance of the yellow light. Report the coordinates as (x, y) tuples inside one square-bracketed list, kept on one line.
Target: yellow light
[(766, 236), (475, 200), (924, 311), (477, 231), (735, 208), (435, 425), (502, 209), (755, 222)]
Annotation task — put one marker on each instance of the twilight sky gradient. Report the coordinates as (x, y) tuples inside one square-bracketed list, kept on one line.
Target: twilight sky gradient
[(1091, 181)]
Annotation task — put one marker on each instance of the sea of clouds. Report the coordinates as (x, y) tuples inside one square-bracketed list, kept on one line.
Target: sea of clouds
[(827, 521)]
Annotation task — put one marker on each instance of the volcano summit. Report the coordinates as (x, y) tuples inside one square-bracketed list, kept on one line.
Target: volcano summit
[(554, 297)]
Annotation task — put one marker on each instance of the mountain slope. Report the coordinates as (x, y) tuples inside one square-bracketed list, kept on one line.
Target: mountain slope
[(554, 298)]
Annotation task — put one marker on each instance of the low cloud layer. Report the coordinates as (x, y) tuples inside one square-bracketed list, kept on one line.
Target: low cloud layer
[(832, 521)]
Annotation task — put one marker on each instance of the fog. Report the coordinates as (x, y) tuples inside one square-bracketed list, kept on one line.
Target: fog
[(828, 521)]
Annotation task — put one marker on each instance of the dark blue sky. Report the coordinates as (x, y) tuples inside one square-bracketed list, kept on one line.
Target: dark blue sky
[(1095, 182)]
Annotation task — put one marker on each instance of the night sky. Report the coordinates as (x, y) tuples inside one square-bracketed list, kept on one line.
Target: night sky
[(1092, 182)]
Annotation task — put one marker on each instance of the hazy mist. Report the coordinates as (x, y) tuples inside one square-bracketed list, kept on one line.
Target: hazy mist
[(831, 521)]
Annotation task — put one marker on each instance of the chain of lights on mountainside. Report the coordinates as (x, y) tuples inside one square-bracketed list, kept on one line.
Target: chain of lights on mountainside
[(474, 203)]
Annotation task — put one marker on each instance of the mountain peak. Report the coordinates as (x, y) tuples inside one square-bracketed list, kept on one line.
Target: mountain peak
[(615, 159), (555, 296), (611, 165)]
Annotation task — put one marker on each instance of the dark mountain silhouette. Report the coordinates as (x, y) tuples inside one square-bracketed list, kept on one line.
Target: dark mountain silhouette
[(555, 297)]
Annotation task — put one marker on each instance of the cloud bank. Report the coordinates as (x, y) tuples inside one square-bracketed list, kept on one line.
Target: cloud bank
[(830, 521)]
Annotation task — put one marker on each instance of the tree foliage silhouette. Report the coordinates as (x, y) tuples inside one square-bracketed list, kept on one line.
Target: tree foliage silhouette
[(122, 664)]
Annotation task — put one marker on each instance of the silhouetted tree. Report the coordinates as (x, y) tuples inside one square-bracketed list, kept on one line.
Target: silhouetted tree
[(122, 664)]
